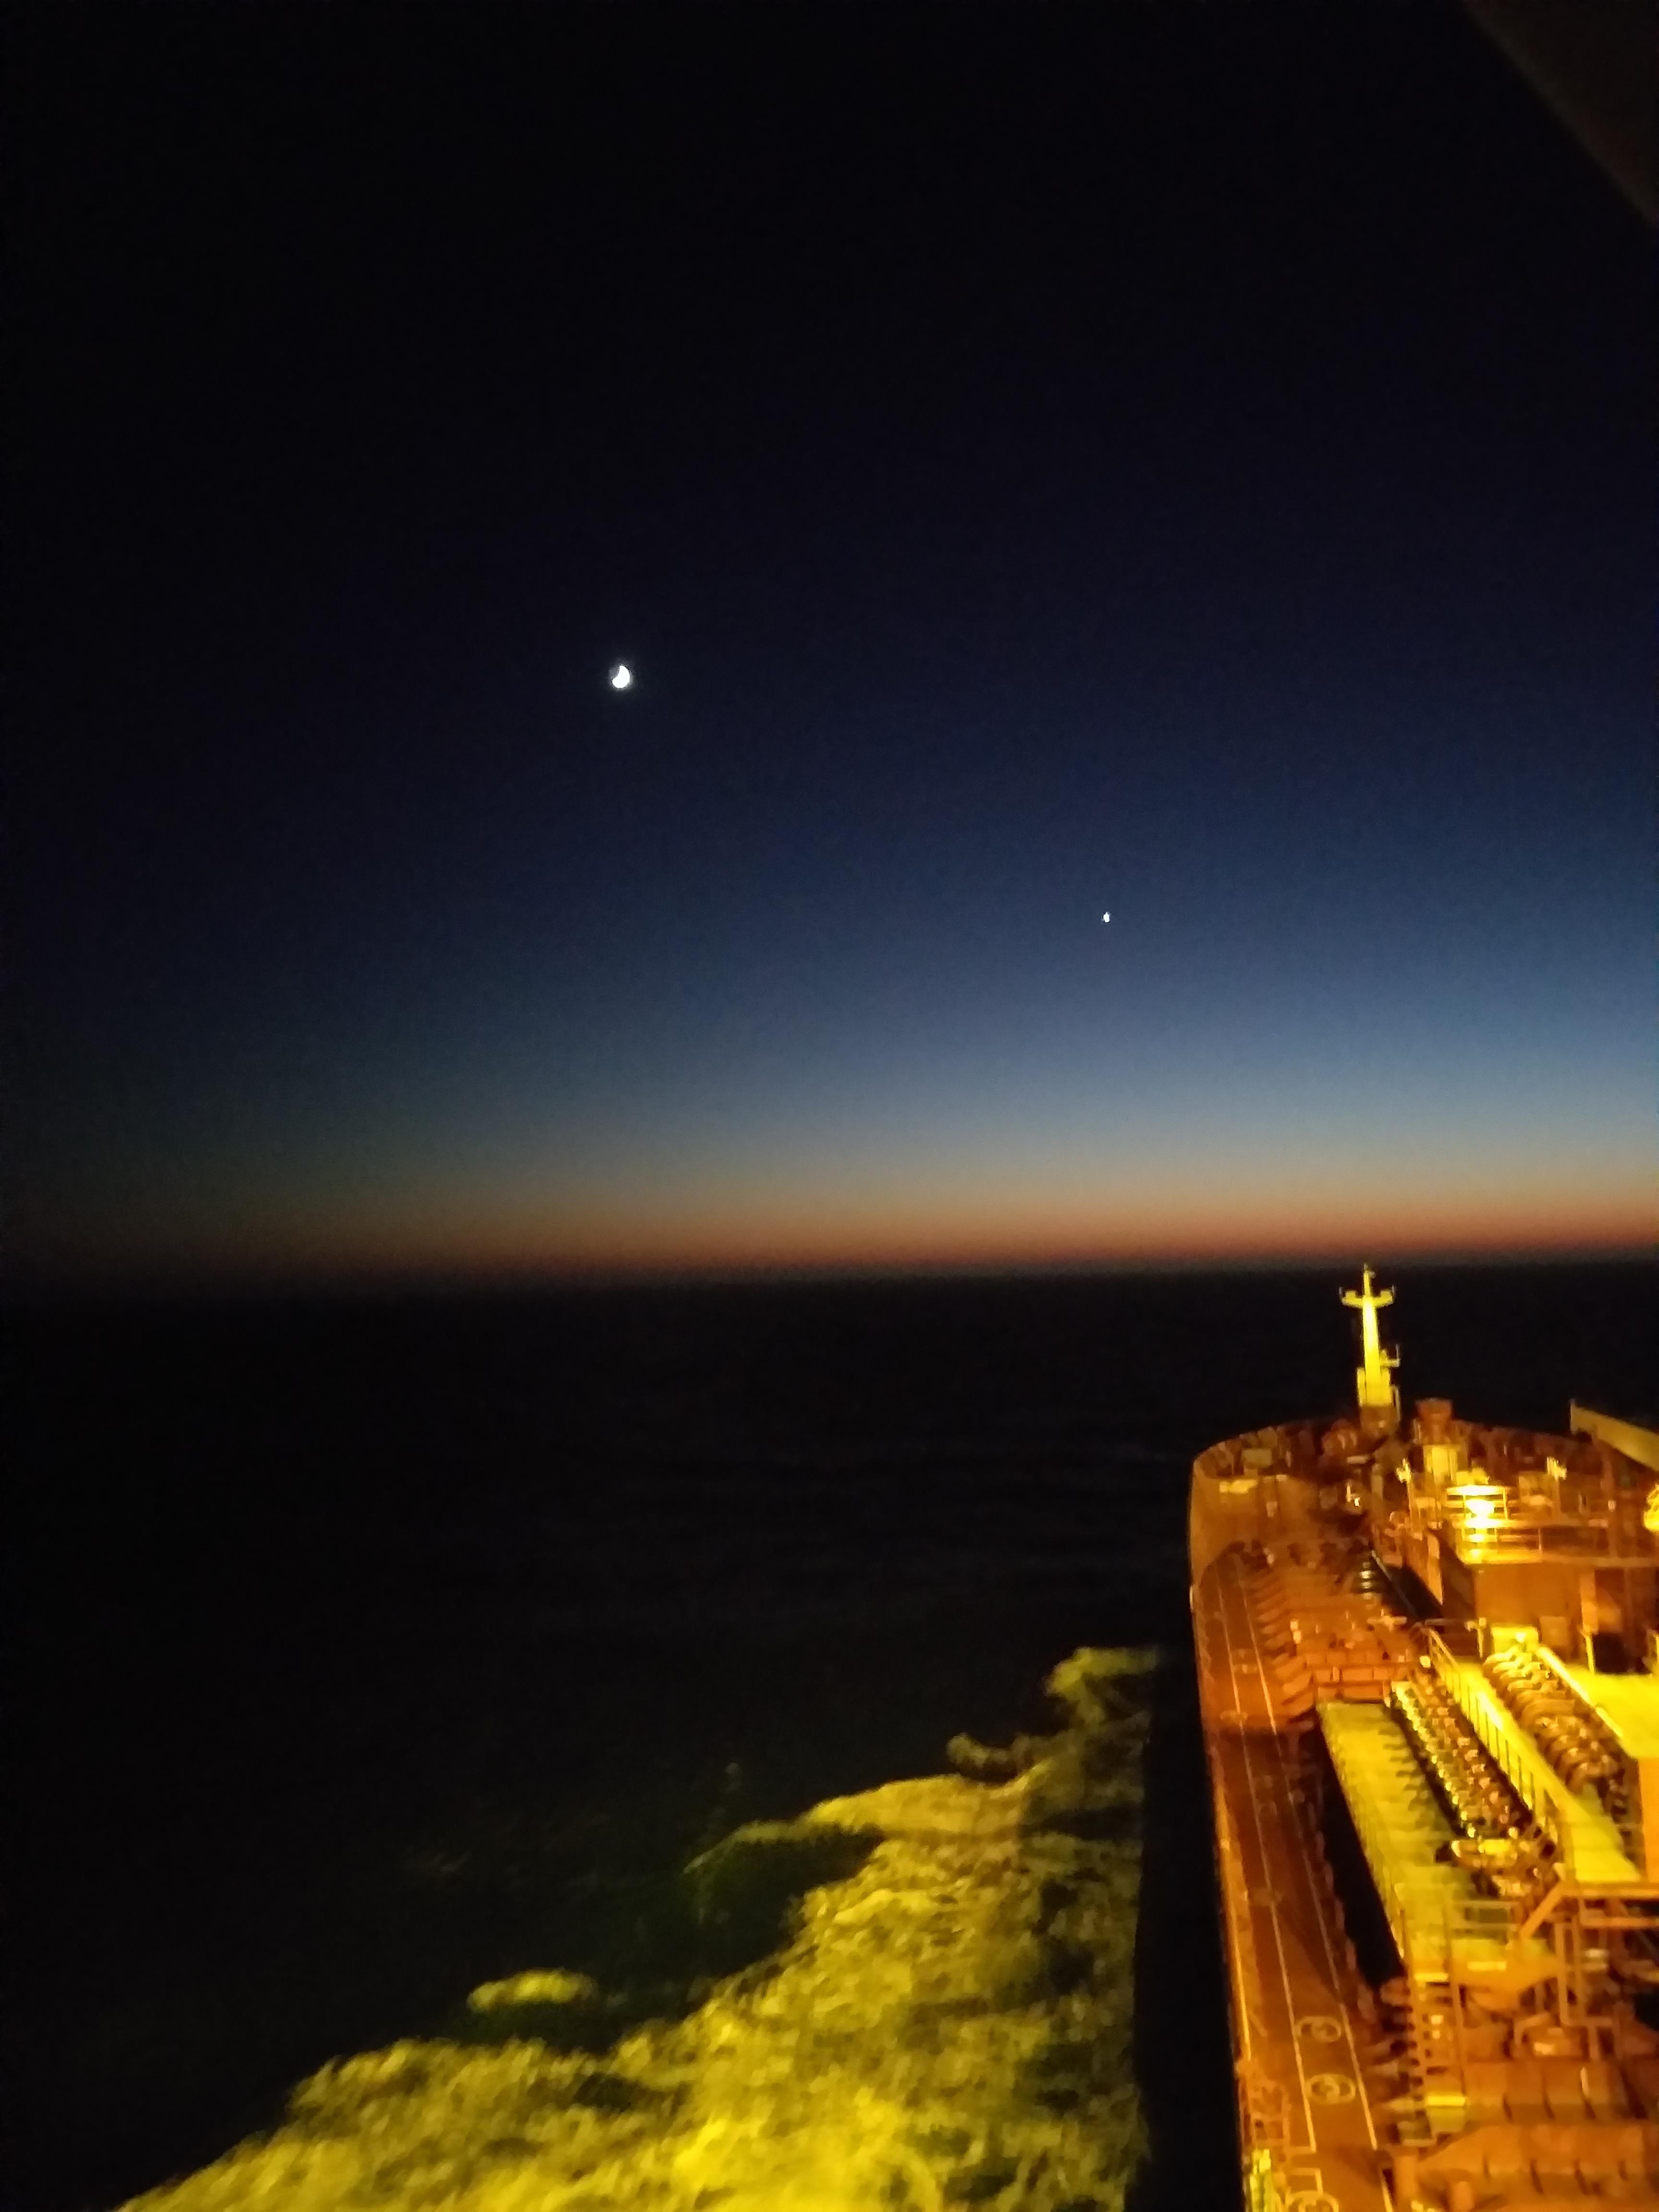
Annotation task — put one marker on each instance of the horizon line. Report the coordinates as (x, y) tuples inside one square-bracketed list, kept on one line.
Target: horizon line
[(186, 1281)]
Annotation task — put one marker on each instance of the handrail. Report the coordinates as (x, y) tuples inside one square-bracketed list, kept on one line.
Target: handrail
[(1535, 1528), (1413, 1908)]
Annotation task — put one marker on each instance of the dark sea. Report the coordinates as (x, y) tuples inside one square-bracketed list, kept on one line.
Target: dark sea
[(363, 1650)]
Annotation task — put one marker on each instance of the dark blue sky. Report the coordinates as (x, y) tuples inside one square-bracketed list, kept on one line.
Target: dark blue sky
[(1186, 462)]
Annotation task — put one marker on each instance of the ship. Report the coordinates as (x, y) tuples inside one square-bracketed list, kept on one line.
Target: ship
[(1428, 1667)]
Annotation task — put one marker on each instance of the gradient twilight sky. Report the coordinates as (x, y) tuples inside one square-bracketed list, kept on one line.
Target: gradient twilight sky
[(1186, 461)]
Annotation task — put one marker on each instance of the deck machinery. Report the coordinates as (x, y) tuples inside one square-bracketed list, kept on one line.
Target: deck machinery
[(1426, 1654)]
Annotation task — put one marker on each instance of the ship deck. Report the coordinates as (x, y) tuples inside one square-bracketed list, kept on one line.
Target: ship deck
[(1285, 1645), (1301, 2044)]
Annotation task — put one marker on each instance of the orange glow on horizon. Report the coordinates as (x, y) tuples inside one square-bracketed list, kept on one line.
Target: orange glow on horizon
[(740, 1231)]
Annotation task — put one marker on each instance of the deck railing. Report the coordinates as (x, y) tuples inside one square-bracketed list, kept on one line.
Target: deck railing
[(1424, 1915)]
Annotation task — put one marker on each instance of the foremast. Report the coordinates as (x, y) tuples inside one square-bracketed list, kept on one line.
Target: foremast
[(1376, 1391)]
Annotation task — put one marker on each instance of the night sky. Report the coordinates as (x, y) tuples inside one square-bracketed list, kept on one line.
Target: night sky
[(1187, 461)]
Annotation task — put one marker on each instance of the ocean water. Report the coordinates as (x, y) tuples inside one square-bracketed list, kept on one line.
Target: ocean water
[(363, 1650)]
